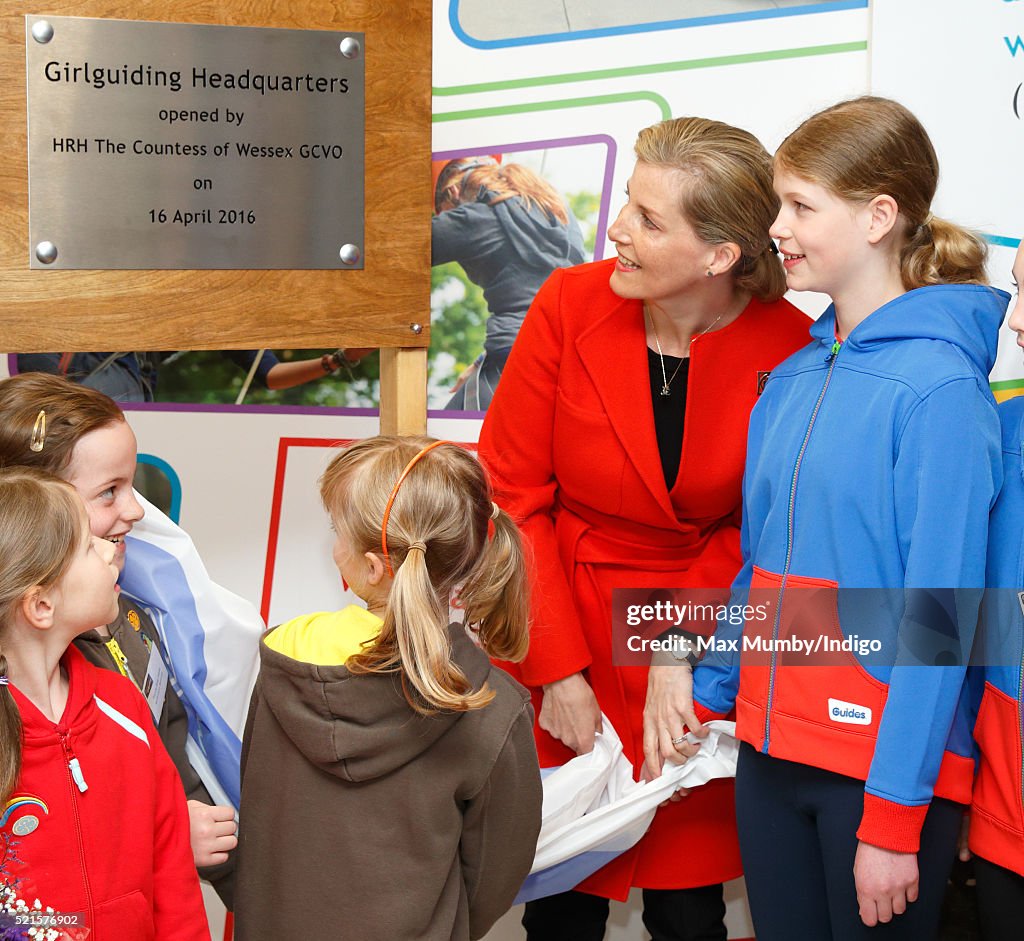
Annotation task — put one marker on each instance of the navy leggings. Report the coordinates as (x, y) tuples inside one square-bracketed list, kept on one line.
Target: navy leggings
[(797, 827), (1000, 901)]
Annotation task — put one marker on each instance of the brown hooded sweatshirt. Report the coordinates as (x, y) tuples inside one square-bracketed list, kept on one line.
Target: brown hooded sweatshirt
[(364, 820)]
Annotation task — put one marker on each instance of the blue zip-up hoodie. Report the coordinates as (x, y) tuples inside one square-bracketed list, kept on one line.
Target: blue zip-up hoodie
[(871, 464), (997, 808)]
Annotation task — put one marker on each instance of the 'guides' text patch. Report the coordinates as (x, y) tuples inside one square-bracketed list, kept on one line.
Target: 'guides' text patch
[(848, 712)]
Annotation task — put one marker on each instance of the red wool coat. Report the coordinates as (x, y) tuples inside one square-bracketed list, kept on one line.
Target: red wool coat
[(570, 443)]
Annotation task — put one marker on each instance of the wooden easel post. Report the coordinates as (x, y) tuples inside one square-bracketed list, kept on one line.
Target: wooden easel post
[(403, 391)]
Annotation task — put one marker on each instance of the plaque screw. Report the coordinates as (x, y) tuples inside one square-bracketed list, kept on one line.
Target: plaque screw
[(350, 254), (46, 252), (42, 31), (416, 328), (349, 48)]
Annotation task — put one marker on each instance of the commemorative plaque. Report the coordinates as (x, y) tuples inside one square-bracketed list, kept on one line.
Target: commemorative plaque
[(167, 145)]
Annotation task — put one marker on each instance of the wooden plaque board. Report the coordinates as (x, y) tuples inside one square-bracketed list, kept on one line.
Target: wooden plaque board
[(244, 309)]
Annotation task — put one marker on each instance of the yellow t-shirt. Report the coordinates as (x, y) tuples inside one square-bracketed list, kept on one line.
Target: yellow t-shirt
[(325, 638)]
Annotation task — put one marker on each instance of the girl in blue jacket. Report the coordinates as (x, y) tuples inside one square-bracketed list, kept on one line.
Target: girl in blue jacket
[(997, 807), (872, 463)]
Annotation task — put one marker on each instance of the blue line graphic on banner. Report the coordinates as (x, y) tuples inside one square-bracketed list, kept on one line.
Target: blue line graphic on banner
[(463, 36)]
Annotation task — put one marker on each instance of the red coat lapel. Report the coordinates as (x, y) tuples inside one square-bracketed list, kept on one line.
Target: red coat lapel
[(613, 350)]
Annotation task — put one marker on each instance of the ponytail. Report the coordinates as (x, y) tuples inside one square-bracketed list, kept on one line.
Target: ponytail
[(496, 595), (431, 529), (418, 620), (940, 252), (10, 737)]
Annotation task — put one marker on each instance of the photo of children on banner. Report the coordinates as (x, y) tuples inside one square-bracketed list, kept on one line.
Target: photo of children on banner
[(135, 376)]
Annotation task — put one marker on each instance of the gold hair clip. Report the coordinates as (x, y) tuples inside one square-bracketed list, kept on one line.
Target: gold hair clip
[(38, 438)]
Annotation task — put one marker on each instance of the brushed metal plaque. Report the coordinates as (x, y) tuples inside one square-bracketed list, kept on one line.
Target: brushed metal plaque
[(169, 145)]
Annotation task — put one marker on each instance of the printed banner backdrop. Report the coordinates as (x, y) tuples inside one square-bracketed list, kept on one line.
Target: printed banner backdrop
[(974, 111), (528, 74)]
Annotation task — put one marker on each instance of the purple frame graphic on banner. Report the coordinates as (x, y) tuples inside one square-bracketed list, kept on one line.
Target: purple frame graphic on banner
[(519, 147)]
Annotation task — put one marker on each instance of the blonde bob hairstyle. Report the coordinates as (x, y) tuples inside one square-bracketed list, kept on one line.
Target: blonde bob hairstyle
[(729, 195), (41, 527), (868, 147), (445, 504)]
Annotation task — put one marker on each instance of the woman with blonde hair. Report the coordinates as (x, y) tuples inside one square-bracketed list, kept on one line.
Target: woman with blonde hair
[(617, 437), (509, 229), (411, 758)]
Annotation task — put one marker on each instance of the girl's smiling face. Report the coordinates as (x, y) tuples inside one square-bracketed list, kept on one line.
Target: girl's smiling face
[(822, 237), (101, 470)]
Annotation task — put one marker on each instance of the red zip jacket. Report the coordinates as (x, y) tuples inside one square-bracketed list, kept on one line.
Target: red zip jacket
[(97, 827)]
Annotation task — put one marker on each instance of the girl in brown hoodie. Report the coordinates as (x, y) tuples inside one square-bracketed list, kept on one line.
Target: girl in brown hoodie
[(390, 787)]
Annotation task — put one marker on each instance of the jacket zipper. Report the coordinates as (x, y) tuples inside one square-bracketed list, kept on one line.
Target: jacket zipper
[(76, 782), (831, 360)]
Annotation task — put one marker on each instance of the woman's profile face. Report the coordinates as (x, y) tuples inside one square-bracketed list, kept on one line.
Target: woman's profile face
[(660, 257)]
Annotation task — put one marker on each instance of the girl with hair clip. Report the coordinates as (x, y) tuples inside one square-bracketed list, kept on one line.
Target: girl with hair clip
[(509, 229), (997, 807), (390, 787), (74, 741), (81, 435), (617, 437), (872, 463)]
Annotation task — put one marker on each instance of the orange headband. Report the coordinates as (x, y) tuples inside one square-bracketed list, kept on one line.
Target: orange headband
[(391, 501)]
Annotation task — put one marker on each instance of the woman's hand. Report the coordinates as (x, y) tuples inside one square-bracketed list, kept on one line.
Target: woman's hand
[(211, 833), (668, 713), (570, 713), (887, 882)]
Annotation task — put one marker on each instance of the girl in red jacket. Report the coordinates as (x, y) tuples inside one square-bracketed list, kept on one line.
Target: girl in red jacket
[(94, 823)]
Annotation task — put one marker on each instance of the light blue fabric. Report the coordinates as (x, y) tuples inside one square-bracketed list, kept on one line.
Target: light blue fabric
[(156, 580)]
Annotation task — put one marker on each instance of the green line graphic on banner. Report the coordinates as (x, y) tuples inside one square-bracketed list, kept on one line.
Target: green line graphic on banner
[(654, 97), (655, 69)]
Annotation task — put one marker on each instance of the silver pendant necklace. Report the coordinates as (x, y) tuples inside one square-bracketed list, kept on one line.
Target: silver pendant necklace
[(666, 380)]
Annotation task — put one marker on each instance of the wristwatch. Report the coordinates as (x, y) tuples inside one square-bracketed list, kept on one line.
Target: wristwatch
[(683, 648)]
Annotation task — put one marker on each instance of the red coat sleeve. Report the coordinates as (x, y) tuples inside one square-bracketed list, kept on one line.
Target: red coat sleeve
[(516, 447)]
